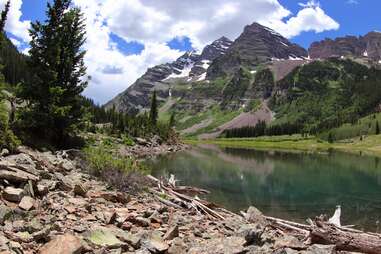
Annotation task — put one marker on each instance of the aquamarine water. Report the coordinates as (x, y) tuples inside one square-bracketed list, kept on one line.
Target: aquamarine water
[(286, 185)]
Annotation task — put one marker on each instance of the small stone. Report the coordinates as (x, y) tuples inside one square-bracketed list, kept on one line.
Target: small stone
[(178, 247), (172, 233), (141, 221), (4, 152), (109, 217), (13, 194), (42, 190), (156, 245), (26, 203), (80, 190), (64, 244), (66, 165)]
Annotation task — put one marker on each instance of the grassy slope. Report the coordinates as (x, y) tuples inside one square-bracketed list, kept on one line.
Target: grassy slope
[(369, 145)]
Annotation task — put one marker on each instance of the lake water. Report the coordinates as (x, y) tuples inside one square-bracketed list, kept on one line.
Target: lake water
[(282, 184)]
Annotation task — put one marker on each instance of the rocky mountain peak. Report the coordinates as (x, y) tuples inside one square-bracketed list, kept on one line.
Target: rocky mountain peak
[(368, 46), (257, 44)]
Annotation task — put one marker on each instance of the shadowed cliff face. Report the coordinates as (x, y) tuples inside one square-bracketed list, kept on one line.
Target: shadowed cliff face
[(368, 46)]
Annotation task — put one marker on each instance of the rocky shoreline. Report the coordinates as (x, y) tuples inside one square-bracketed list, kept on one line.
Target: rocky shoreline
[(50, 204)]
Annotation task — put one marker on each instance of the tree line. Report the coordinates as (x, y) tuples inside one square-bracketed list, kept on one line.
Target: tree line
[(262, 129)]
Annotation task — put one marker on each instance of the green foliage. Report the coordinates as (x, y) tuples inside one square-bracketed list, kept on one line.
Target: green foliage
[(7, 139), (153, 113), (325, 94), (377, 128), (253, 105), (102, 158), (127, 140), (172, 120), (56, 61), (236, 88)]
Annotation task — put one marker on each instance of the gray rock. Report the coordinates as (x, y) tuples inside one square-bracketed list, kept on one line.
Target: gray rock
[(4, 152), (26, 203), (255, 216), (67, 244), (42, 190), (80, 190), (252, 233), (228, 245), (321, 249), (171, 233), (13, 194)]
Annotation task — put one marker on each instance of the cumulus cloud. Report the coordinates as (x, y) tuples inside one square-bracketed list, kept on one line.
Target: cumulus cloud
[(14, 24), (155, 22), (310, 18)]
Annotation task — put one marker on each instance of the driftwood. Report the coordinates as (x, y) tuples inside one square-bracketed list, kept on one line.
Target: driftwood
[(325, 233), (176, 197)]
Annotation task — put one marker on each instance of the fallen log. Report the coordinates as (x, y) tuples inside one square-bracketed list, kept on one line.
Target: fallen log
[(326, 233)]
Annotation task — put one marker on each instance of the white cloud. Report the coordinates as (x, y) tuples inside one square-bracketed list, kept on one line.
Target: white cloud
[(154, 22), (14, 25), (15, 42), (310, 18)]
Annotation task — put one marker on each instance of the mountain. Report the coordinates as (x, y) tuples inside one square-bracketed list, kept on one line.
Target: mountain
[(257, 44), (263, 77), (367, 46), (190, 66)]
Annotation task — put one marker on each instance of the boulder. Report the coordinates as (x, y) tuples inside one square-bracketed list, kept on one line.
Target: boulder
[(171, 233), (64, 244), (13, 194), (255, 216), (26, 203), (104, 237), (80, 190), (24, 161), (13, 173), (227, 245), (63, 182), (42, 190)]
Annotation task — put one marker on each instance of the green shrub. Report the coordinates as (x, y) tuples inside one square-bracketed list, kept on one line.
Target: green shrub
[(127, 140), (102, 158)]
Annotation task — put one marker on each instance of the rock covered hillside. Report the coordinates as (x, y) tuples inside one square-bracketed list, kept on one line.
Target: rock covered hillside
[(191, 67), (230, 84)]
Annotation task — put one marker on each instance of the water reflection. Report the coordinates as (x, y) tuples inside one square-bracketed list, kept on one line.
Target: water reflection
[(286, 185)]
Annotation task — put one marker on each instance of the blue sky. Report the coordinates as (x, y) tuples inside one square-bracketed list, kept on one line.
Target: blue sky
[(125, 37)]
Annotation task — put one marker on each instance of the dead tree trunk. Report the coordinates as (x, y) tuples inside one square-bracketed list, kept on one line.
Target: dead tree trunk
[(325, 233)]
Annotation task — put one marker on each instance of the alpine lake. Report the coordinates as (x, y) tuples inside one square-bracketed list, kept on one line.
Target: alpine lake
[(287, 185)]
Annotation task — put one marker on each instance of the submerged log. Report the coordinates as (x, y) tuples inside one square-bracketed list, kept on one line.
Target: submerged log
[(326, 233)]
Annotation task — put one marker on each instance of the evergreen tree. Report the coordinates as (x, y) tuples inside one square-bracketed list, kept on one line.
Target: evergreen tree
[(4, 15), (330, 138), (154, 111), (172, 120), (377, 128), (56, 61)]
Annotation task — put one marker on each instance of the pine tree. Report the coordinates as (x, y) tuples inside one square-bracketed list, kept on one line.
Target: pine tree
[(377, 128), (56, 61), (172, 120), (4, 15), (330, 138), (153, 112)]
